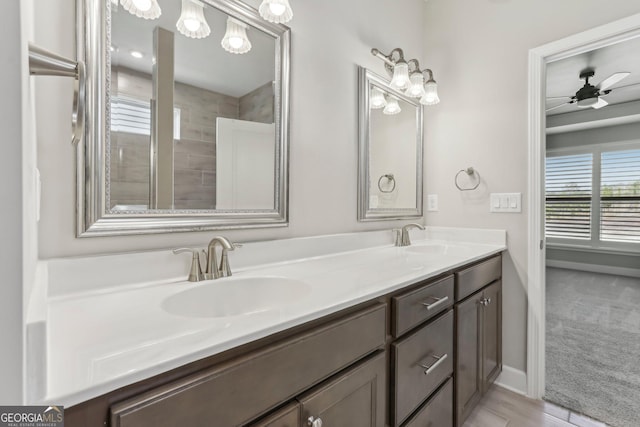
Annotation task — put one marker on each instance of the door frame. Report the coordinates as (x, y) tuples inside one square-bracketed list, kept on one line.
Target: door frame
[(605, 35)]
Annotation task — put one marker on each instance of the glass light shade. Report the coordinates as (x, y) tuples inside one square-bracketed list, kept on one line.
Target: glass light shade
[(589, 102), (416, 88), (430, 96), (400, 78), (146, 9), (276, 11), (377, 100), (392, 107), (192, 22), (235, 39)]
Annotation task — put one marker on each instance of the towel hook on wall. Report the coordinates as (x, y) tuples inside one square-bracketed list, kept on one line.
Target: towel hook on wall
[(470, 171)]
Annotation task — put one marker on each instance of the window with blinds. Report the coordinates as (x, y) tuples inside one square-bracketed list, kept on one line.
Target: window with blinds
[(620, 196), (568, 187), (133, 116)]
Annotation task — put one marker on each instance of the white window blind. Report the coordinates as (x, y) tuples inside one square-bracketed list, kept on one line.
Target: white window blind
[(133, 116), (568, 186), (620, 196)]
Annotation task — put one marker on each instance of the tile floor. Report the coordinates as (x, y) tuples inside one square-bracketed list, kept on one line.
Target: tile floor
[(504, 408)]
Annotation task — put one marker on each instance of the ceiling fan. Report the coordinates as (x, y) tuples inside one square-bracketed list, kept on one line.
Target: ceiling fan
[(589, 95)]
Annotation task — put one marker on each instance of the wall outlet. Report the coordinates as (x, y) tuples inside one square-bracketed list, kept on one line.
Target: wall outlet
[(505, 202), (432, 202)]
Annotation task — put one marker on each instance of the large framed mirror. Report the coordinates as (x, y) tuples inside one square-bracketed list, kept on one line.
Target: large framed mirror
[(187, 117), (390, 151)]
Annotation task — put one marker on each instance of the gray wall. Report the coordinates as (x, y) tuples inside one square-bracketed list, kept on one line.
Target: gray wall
[(257, 105), (11, 246), (594, 258), (479, 51)]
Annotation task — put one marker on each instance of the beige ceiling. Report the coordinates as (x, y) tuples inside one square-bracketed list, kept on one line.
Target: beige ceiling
[(563, 76)]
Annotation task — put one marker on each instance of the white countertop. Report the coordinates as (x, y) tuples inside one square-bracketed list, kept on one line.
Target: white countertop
[(106, 338)]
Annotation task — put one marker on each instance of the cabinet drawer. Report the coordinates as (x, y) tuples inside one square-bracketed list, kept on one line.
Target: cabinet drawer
[(244, 388), (414, 307), (438, 411), (421, 362), (289, 416), (477, 277)]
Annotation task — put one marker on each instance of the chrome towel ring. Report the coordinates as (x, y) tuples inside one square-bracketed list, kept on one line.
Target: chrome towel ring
[(470, 171), (390, 178)]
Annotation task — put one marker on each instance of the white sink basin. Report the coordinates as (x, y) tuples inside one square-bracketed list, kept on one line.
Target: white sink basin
[(236, 297)]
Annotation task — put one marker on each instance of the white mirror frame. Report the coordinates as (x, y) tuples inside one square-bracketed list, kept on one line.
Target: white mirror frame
[(93, 215), (365, 212)]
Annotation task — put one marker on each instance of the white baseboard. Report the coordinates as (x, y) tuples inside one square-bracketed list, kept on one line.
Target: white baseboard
[(595, 268), (513, 379)]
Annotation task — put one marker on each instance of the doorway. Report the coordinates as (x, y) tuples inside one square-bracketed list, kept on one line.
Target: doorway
[(539, 63)]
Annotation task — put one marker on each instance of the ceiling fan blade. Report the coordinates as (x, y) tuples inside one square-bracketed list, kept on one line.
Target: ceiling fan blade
[(611, 80), (557, 106), (559, 97), (625, 87), (601, 103)]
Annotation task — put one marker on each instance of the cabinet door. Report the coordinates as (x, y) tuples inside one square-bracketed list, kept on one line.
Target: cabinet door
[(468, 376), (289, 416), (355, 398), (492, 334)]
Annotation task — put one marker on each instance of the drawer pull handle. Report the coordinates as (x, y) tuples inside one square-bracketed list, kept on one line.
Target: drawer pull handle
[(438, 301), (314, 422), (485, 301), (433, 366)]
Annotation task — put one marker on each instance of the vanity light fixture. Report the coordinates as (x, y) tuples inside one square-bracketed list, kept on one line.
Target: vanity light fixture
[(235, 39), (192, 22), (377, 99), (407, 75), (392, 106), (430, 96), (276, 11), (146, 9)]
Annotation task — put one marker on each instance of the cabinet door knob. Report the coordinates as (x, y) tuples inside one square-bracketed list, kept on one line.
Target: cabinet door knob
[(314, 422)]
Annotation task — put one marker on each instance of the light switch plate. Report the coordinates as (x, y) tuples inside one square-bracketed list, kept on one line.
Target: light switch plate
[(505, 202), (432, 202)]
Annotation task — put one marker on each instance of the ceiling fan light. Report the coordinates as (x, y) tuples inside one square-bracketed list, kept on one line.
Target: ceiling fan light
[(145, 9), (430, 96), (588, 102), (235, 39), (400, 78), (192, 22), (392, 107), (276, 11)]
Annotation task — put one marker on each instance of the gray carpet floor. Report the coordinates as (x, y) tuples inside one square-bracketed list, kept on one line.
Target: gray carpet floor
[(593, 345)]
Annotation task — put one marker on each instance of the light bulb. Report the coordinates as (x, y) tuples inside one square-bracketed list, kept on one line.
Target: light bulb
[(146, 9), (377, 100), (192, 22), (392, 107), (276, 11), (416, 88), (430, 96), (235, 39), (143, 5), (400, 78)]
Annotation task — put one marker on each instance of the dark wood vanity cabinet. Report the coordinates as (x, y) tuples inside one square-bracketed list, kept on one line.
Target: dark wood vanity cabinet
[(422, 356), (478, 313)]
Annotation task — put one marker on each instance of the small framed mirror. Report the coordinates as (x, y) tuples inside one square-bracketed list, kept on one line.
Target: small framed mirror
[(390, 151), (187, 117)]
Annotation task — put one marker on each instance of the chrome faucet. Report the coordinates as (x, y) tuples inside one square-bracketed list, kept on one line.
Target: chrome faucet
[(223, 269), (402, 236)]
